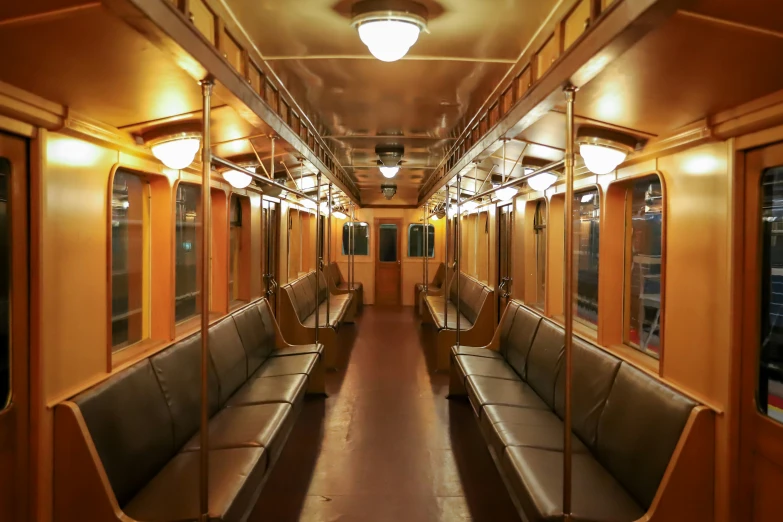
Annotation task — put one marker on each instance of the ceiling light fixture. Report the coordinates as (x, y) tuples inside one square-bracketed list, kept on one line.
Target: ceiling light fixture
[(176, 151), (237, 179), (541, 182), (604, 149), (389, 172), (389, 28), (339, 214)]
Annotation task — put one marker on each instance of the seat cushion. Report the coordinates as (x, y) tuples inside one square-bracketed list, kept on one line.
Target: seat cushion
[(485, 366), (283, 388), (536, 476), (337, 310), (475, 351), (290, 365), (440, 316), (172, 495), (257, 425), (510, 426), (298, 349), (486, 390)]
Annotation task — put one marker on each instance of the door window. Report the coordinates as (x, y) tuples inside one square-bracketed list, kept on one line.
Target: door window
[(770, 384), (388, 243)]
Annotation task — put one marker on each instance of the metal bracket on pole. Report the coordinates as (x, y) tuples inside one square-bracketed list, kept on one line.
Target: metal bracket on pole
[(570, 93), (206, 226)]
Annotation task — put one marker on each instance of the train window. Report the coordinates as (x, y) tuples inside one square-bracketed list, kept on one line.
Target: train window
[(129, 259), (770, 385), (416, 240), (539, 227), (643, 247), (187, 302), (5, 289), (237, 249), (361, 246), (586, 231)]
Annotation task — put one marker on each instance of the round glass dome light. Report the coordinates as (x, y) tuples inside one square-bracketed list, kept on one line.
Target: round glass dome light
[(178, 152), (507, 193), (389, 28), (601, 159), (237, 179), (541, 182), (339, 215), (389, 172), (308, 203)]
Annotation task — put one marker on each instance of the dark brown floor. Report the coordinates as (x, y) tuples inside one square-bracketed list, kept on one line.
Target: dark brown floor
[(386, 445)]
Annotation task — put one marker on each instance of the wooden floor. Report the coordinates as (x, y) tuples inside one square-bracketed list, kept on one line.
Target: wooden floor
[(386, 445)]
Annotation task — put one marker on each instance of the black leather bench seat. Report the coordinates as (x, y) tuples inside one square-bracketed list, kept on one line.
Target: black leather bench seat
[(625, 424), (302, 349), (281, 388), (173, 494), (472, 296), (289, 365)]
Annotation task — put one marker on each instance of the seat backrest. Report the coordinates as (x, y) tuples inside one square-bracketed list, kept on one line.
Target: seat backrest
[(334, 272), (544, 359), (257, 339), (178, 369), (472, 295), (228, 356), (304, 298), (323, 289), (131, 427), (593, 373), (520, 338), (440, 275), (638, 431), (506, 322)]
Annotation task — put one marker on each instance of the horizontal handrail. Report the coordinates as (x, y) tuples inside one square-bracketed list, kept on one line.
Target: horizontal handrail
[(515, 182), (258, 177)]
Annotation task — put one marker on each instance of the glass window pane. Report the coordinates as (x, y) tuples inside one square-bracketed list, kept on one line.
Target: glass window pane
[(416, 240), (361, 239), (586, 230), (770, 386), (387, 243), (127, 259), (644, 211), (5, 294), (187, 259), (235, 247), (539, 228)]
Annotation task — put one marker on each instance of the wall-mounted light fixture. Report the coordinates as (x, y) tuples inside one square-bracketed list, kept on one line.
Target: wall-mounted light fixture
[(389, 28)]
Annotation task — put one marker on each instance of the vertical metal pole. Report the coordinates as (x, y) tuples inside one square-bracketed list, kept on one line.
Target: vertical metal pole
[(569, 297), (272, 159), (459, 247), (318, 253), (426, 247), (206, 251), (423, 241), (269, 275), (353, 246), (329, 254), (447, 282)]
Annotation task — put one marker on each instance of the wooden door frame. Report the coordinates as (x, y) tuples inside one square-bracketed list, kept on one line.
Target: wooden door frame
[(752, 425), (377, 222), (18, 411)]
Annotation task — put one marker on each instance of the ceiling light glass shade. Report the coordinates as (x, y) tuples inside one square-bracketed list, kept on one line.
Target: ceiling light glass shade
[(541, 182), (339, 215), (389, 40), (601, 159), (507, 193), (434, 217), (452, 211), (470, 206), (178, 153), (237, 179), (324, 206), (307, 203), (389, 172)]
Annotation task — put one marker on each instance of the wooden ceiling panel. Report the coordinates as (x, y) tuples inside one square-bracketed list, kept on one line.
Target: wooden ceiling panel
[(684, 71)]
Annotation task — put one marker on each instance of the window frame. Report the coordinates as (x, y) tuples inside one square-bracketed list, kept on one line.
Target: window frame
[(183, 323), (243, 273), (343, 248), (410, 229), (593, 327), (146, 300)]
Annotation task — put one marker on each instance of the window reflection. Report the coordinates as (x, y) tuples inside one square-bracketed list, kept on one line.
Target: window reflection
[(235, 247), (416, 240), (187, 259), (127, 259), (361, 239), (644, 208), (586, 230), (770, 393), (539, 228)]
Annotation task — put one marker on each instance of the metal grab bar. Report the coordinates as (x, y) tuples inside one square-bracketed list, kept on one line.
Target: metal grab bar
[(258, 177)]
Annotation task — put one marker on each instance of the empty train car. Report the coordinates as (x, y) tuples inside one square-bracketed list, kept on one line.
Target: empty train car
[(391, 260)]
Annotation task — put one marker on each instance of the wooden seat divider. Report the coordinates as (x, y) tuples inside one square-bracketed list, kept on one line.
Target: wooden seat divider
[(127, 448), (477, 316), (339, 285), (641, 450), (297, 314)]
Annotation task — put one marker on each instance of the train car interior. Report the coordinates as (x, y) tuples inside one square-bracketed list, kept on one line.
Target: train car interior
[(375, 260)]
